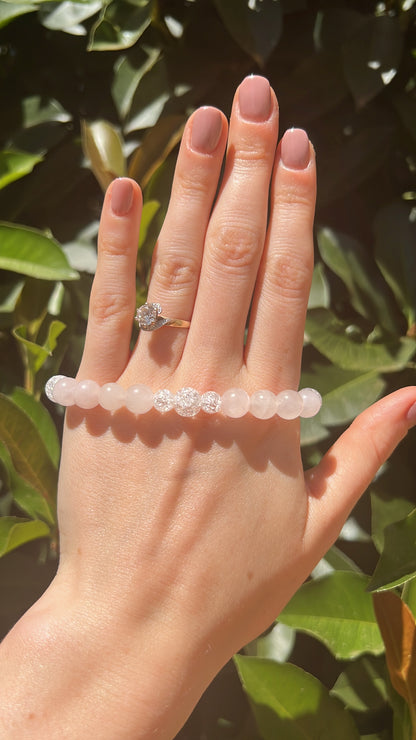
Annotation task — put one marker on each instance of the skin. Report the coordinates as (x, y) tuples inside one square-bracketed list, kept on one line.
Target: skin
[(182, 539)]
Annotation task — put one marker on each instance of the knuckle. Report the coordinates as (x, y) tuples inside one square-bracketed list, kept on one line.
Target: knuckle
[(175, 271), (293, 195), (235, 245), (112, 243), (289, 274), (105, 307)]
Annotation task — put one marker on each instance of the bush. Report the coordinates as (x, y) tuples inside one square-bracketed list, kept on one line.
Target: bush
[(98, 89)]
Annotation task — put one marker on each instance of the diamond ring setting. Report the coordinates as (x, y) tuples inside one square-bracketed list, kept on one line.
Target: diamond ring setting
[(149, 318)]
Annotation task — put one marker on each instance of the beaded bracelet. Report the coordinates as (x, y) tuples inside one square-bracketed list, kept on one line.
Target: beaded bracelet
[(139, 399)]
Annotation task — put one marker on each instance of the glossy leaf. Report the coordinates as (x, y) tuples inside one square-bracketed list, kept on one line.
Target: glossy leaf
[(398, 628), (384, 512), (15, 532), (395, 233), (348, 259), (397, 563), (149, 211), (10, 11), (155, 147), (334, 559), (27, 450), (14, 165), (256, 26), (409, 595), (68, 16), (319, 294), (103, 147), (328, 335), (362, 685), (29, 500), (128, 72), (37, 110), (37, 354), (291, 704), (41, 418), (277, 644), (150, 97), (337, 610), (120, 25), (10, 291), (29, 252)]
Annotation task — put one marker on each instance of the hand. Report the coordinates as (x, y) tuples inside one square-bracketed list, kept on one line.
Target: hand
[(181, 539)]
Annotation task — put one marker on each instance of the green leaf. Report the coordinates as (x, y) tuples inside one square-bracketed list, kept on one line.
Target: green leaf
[(103, 147), (328, 336), (36, 109), (397, 563), (29, 252), (337, 610), (41, 418), (37, 354), (334, 559), (10, 11), (395, 253), (27, 450), (255, 25), (10, 292), (291, 704), (319, 294), (14, 165), (157, 144), (409, 595), (15, 532), (120, 25), (67, 16), (150, 97), (128, 72), (348, 259), (385, 511), (149, 211), (27, 498), (362, 685)]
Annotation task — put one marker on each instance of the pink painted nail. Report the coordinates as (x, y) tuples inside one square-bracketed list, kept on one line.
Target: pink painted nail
[(411, 416), (121, 196), (254, 98), (206, 130), (295, 149)]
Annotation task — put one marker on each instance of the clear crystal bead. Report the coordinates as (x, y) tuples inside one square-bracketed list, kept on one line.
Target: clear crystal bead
[(163, 401), (50, 385), (210, 402), (187, 402)]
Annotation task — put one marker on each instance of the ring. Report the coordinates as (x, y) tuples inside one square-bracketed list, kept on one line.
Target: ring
[(149, 317)]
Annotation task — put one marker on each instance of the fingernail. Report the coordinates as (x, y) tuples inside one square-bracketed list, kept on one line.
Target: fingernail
[(411, 416), (294, 149), (254, 98), (121, 196), (206, 130)]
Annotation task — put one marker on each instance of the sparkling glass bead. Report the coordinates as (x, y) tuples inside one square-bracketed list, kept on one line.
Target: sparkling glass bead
[(111, 396), (187, 402), (64, 391), (139, 399), (50, 385), (163, 401), (86, 394), (289, 404), (263, 404), (312, 402), (210, 402), (235, 403)]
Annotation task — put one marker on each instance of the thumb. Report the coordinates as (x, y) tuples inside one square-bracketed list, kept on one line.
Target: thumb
[(349, 466)]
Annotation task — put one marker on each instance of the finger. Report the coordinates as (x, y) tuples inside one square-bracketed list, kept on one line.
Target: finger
[(178, 254), (277, 320), (348, 468), (235, 237), (113, 293)]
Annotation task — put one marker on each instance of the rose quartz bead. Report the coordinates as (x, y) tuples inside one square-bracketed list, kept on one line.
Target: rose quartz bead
[(63, 391), (312, 402), (86, 394), (263, 404), (139, 399), (289, 404), (111, 396), (235, 403)]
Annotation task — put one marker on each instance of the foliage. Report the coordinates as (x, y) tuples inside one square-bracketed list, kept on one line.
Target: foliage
[(100, 88)]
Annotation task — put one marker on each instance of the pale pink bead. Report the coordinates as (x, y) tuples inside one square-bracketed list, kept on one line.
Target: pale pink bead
[(289, 404), (235, 403), (263, 404), (111, 396), (86, 394), (63, 391), (312, 402), (139, 399)]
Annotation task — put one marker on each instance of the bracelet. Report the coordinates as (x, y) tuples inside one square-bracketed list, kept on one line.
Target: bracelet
[(139, 399)]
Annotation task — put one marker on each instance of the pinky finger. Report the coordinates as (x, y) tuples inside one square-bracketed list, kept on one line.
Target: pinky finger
[(349, 466), (113, 294)]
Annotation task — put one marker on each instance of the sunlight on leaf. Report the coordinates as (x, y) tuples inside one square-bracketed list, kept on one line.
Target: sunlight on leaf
[(397, 562), (15, 532), (103, 147), (29, 252)]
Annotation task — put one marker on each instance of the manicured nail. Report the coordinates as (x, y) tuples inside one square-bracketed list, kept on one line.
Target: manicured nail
[(206, 130), (294, 149), (411, 416), (121, 196), (254, 98)]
